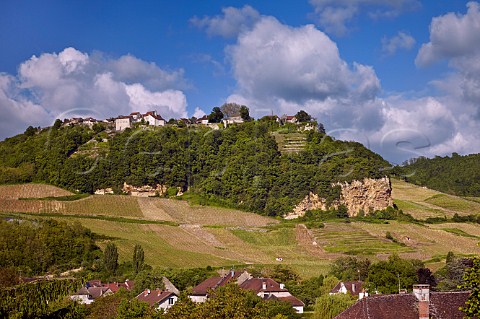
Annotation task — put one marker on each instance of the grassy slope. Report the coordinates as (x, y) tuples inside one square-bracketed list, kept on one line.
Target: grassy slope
[(224, 237)]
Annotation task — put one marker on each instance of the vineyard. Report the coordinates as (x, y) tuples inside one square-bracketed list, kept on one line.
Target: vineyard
[(198, 236)]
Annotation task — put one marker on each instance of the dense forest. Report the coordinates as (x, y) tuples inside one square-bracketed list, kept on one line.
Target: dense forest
[(239, 166), (456, 175)]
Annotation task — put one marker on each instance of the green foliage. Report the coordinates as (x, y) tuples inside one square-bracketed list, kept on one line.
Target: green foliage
[(472, 282), (384, 275), (138, 258), (457, 175), (303, 116), (328, 306), (134, 308), (451, 276), (307, 290), (215, 116), (37, 246), (230, 301), (239, 166), (350, 268), (34, 300), (110, 258)]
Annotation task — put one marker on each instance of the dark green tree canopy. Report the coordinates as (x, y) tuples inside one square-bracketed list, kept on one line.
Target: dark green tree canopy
[(303, 116), (110, 258), (216, 115)]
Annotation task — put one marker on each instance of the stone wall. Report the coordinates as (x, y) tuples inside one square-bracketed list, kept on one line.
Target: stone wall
[(368, 195)]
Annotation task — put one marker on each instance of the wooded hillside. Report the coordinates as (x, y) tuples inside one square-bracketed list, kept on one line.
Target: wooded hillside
[(239, 166)]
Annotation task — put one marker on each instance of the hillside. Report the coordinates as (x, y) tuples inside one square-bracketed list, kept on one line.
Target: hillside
[(242, 166), (174, 233), (456, 175)]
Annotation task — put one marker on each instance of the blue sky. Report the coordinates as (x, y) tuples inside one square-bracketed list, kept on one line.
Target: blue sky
[(400, 76)]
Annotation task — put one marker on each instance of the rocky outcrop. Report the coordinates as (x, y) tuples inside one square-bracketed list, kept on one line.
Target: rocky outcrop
[(145, 190), (368, 195), (310, 202), (364, 196)]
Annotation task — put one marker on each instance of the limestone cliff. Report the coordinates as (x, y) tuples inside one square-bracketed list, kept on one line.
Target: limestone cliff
[(368, 195)]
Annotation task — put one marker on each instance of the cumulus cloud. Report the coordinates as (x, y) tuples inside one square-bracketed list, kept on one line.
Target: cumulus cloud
[(73, 83), (290, 68), (334, 15), (452, 36), (283, 69), (198, 113), (230, 23), (400, 41)]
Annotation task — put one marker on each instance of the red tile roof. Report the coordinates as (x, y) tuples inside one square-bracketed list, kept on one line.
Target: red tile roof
[(295, 302), (353, 287), (443, 305), (256, 284), (214, 282), (154, 297)]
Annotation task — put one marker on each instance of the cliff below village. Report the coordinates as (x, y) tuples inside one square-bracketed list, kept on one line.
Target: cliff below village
[(359, 197)]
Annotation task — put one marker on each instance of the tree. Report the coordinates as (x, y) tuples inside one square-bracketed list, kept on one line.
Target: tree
[(303, 116), (216, 116), (245, 113), (328, 306), (231, 109), (110, 258), (472, 282), (57, 124), (138, 258), (30, 131)]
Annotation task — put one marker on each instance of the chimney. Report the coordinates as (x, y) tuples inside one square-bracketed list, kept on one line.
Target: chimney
[(146, 292), (282, 286), (264, 285), (353, 287), (422, 292)]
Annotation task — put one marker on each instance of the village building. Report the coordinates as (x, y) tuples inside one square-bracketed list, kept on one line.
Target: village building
[(153, 119), (94, 289), (232, 120), (159, 299), (123, 122), (354, 288), (421, 304), (269, 289), (203, 120), (288, 119), (89, 121), (266, 288), (200, 292)]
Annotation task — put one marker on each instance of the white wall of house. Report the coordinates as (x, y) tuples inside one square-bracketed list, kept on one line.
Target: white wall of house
[(298, 309), (198, 298), (83, 299), (153, 121), (121, 124), (168, 303)]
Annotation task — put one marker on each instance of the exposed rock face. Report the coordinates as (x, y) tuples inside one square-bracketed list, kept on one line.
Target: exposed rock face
[(144, 191), (310, 202), (368, 196)]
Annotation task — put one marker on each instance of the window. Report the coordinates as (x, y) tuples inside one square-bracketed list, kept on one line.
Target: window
[(170, 301)]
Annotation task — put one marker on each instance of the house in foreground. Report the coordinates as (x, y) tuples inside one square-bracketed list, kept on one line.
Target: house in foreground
[(421, 304), (269, 289), (159, 299), (94, 289), (266, 288), (200, 292), (354, 288)]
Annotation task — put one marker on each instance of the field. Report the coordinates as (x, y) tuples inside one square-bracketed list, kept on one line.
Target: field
[(176, 234), (422, 202)]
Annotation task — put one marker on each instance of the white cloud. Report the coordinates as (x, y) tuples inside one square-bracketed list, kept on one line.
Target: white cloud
[(198, 113), (400, 41), (452, 36), (282, 69), (334, 15), (73, 83), (285, 68), (230, 23)]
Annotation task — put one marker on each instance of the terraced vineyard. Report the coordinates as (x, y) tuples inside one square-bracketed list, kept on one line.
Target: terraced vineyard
[(197, 236), (290, 142)]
